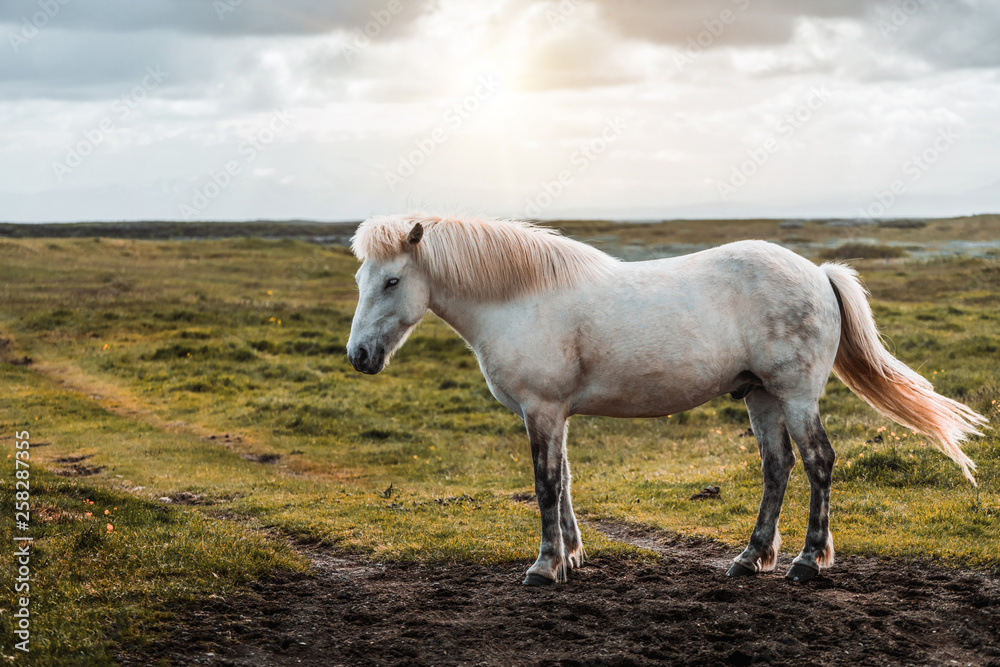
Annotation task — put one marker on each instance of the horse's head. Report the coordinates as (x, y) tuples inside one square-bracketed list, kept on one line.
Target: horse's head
[(393, 297)]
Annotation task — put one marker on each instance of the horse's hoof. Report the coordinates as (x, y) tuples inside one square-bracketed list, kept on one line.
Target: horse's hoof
[(534, 579), (800, 572), (738, 570)]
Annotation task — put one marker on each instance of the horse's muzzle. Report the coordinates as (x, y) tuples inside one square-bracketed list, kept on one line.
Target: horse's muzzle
[(367, 362)]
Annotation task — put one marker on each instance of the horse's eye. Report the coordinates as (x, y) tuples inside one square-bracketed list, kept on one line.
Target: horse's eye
[(391, 282)]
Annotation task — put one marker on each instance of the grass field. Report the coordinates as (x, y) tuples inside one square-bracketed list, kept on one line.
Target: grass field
[(214, 373)]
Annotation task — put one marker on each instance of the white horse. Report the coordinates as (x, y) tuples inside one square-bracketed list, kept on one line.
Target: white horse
[(560, 329)]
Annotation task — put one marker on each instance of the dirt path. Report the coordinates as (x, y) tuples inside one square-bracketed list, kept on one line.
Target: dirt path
[(681, 610), (121, 401)]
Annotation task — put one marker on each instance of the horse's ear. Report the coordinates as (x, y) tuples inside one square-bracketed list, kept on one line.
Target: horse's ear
[(415, 234)]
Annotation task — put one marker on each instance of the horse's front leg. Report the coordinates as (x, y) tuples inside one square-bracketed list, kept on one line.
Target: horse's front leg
[(547, 433)]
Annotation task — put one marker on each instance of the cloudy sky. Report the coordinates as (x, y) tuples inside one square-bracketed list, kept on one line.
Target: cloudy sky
[(630, 109)]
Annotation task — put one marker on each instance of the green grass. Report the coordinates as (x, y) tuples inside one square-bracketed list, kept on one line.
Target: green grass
[(178, 366), (851, 251)]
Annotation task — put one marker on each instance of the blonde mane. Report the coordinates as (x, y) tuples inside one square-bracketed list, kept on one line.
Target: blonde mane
[(483, 258)]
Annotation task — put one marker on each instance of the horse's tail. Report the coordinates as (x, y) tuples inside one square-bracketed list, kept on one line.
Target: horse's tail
[(889, 385)]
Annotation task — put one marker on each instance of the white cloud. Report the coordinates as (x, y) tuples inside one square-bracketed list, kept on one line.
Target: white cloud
[(354, 118)]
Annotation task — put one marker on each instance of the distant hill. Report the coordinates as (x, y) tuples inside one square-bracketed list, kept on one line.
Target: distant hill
[(330, 232)]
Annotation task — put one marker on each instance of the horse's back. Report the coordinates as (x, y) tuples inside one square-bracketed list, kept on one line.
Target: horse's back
[(681, 331), (774, 288), (746, 282), (786, 309)]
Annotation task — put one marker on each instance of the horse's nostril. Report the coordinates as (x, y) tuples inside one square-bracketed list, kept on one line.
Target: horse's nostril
[(362, 356)]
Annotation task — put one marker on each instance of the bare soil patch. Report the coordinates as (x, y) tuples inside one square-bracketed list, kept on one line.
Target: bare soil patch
[(266, 459), (77, 470), (185, 498), (679, 610), (73, 459), (8, 354)]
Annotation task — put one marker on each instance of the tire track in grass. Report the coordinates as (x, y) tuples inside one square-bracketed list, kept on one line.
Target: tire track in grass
[(120, 402)]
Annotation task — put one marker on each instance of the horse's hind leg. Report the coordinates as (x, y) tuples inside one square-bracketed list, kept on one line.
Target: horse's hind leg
[(572, 541), (776, 461), (547, 434), (818, 456)]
